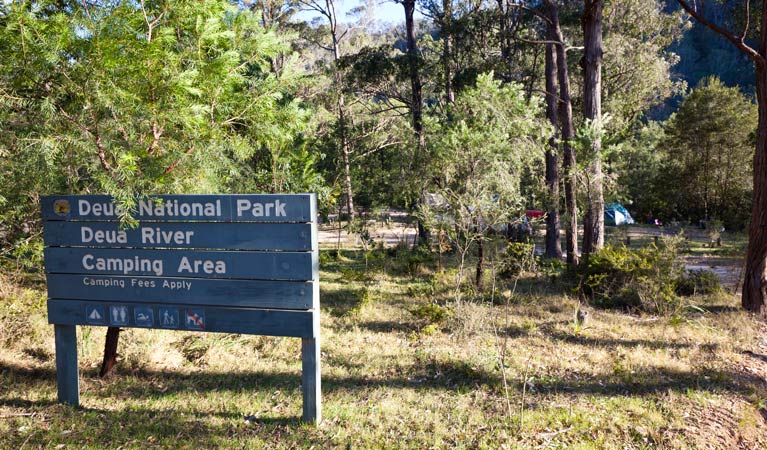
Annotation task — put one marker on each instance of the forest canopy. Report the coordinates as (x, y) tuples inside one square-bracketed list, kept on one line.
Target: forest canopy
[(136, 98)]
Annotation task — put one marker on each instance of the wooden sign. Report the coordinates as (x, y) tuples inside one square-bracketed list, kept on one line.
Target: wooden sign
[(217, 263)]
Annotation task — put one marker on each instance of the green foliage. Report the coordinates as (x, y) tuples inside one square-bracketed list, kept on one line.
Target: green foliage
[(518, 257), (708, 152), (552, 268), (351, 274), (643, 279), (431, 315), (482, 146), (637, 75), (640, 168), (365, 297), (128, 98), (699, 282)]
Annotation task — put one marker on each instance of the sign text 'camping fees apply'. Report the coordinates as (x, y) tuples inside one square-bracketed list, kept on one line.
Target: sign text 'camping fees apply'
[(219, 263)]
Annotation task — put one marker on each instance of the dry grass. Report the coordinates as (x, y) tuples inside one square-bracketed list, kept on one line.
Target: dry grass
[(395, 378)]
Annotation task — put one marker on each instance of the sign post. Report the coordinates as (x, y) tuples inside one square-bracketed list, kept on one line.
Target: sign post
[(216, 263)]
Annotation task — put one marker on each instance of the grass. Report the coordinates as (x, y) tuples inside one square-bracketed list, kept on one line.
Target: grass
[(404, 366)]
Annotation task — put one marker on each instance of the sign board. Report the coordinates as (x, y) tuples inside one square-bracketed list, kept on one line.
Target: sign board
[(217, 263)]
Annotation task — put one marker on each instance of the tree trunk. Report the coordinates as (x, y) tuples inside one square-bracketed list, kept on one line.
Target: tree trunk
[(567, 131), (553, 245), (594, 223), (110, 351), (345, 156), (416, 107), (480, 260), (416, 99), (754, 296), (447, 20), (342, 121)]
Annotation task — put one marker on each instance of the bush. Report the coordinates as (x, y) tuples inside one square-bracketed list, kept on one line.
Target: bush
[(431, 314), (411, 262), (517, 258), (643, 279), (19, 309), (552, 268), (700, 282)]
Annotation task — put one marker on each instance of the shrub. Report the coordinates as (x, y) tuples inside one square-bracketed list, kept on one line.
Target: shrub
[(552, 268), (643, 279), (364, 297), (19, 308), (403, 260), (431, 314), (700, 282), (352, 275), (517, 258)]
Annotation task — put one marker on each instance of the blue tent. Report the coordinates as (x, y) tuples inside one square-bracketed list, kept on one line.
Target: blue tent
[(616, 214)]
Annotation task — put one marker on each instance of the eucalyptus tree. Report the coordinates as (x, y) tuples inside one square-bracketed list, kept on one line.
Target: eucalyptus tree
[(553, 244), (591, 62), (559, 111), (336, 33)]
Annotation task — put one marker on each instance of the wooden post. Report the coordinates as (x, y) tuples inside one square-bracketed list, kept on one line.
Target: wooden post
[(310, 347), (67, 377), (310, 380)]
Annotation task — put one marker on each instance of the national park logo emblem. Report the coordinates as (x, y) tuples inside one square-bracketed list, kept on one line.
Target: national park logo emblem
[(61, 207)]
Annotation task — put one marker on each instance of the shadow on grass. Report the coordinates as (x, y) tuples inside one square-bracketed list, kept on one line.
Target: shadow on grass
[(139, 427), (438, 375), (756, 355), (341, 302), (388, 326), (719, 309), (613, 343)]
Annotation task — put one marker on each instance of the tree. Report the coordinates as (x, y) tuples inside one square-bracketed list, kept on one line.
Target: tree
[(567, 131), (553, 245), (328, 11), (638, 37), (754, 297), (133, 98), (486, 139), (593, 222), (708, 149)]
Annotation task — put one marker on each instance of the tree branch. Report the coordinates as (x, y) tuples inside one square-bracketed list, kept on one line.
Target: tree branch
[(178, 161), (736, 40), (529, 41), (99, 144), (748, 21), (534, 11)]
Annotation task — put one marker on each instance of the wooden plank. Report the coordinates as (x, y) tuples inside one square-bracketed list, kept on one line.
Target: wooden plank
[(67, 376), (239, 236), (181, 263), (269, 322), (219, 208), (194, 291)]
